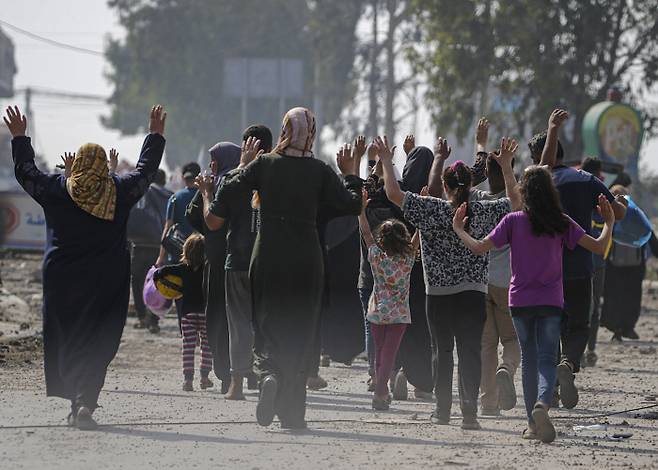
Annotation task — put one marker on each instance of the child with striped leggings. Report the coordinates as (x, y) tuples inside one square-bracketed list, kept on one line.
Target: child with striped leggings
[(192, 319)]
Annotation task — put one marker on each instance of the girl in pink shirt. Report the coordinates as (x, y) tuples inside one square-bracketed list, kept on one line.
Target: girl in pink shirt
[(536, 236)]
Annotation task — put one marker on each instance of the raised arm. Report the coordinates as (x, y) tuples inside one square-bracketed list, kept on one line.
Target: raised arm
[(364, 226), (479, 247), (508, 148), (555, 121), (600, 244), (479, 168), (441, 153), (134, 184), (391, 185), (206, 185), (37, 184), (619, 207), (343, 196)]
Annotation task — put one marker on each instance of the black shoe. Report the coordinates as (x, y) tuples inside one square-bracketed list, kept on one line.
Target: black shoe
[(630, 334), (226, 384), (616, 337), (471, 424), (380, 404), (300, 426), (506, 390), (436, 418), (84, 421), (568, 390), (266, 400), (545, 430), (371, 385), (154, 328)]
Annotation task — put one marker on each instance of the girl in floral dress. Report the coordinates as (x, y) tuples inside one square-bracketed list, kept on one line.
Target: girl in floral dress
[(391, 253)]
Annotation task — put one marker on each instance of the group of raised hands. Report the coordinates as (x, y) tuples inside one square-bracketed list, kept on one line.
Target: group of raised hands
[(16, 122)]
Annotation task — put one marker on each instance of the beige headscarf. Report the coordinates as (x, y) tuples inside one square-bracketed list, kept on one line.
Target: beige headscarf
[(297, 133), (90, 185)]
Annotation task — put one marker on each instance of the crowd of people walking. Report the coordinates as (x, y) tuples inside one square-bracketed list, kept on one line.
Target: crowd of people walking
[(244, 251)]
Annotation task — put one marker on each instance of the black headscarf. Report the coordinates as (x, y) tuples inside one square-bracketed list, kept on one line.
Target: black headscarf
[(227, 156), (417, 169)]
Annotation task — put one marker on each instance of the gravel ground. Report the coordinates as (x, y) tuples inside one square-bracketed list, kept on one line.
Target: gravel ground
[(149, 422)]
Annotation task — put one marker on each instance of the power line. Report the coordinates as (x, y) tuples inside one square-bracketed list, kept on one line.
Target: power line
[(51, 92), (52, 42)]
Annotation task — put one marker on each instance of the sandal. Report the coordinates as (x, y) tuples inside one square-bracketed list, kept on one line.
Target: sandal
[(529, 434)]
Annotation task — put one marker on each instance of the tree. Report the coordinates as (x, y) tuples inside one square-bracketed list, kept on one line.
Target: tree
[(515, 61), (174, 53)]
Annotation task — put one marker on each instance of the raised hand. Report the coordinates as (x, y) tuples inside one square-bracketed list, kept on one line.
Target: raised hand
[(250, 151), (409, 143), (67, 159), (359, 151), (460, 218), (206, 184), (482, 134), (157, 120), (372, 152), (557, 118), (15, 121), (383, 150), (114, 160), (360, 147), (605, 210), (441, 149), (425, 191), (508, 148), (345, 160)]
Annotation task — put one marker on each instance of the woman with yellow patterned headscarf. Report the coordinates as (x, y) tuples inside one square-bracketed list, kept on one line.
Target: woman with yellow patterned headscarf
[(90, 185), (86, 266)]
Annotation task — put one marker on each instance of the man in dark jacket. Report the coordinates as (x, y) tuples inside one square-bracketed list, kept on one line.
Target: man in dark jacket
[(145, 225)]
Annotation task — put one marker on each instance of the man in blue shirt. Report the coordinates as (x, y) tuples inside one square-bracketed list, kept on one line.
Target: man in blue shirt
[(177, 206), (579, 192)]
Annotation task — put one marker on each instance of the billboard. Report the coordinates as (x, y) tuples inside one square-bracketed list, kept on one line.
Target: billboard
[(263, 78)]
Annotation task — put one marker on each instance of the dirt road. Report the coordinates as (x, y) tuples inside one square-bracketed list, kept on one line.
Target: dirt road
[(151, 423)]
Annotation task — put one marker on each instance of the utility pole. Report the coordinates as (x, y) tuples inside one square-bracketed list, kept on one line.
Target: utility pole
[(28, 111), (390, 82), (374, 75)]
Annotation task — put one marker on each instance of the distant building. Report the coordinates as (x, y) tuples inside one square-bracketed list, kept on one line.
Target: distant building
[(7, 66)]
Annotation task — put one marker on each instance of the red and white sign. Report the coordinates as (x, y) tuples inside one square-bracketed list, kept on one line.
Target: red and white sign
[(23, 220)]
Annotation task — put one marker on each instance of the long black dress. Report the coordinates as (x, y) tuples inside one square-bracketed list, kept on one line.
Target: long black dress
[(86, 273), (287, 273)]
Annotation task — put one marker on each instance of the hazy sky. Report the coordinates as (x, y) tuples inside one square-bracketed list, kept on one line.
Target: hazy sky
[(62, 125)]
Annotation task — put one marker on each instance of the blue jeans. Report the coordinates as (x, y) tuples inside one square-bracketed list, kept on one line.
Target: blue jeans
[(538, 330), (364, 295)]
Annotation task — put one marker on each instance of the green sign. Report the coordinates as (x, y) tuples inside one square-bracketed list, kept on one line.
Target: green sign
[(613, 132)]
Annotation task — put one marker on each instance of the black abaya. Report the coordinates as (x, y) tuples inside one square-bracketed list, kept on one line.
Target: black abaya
[(287, 273), (86, 273)]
